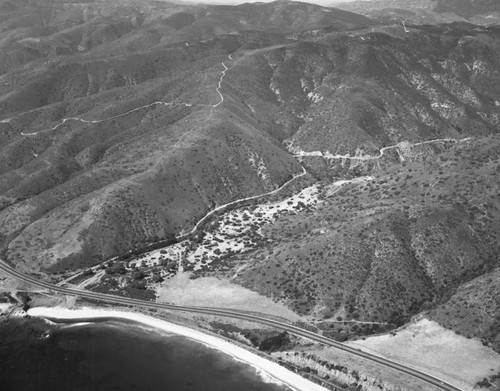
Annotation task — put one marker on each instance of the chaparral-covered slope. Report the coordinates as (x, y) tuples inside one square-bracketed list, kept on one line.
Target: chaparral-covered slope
[(125, 134), (85, 174)]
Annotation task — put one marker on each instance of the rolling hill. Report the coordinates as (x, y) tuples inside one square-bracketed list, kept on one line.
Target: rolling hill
[(124, 122), (483, 12)]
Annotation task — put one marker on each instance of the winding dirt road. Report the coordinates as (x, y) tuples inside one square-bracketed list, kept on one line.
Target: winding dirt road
[(229, 313), (219, 86), (157, 103), (241, 200), (401, 145), (236, 314)]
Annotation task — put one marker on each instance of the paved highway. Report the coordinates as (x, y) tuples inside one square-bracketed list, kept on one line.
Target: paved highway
[(229, 313)]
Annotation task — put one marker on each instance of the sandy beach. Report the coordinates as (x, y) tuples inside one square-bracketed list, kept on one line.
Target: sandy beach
[(268, 370)]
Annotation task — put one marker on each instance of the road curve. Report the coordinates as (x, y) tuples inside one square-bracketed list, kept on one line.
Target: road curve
[(327, 155), (147, 106), (182, 236), (229, 313)]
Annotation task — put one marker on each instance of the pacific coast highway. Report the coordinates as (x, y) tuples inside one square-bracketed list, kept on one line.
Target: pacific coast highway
[(229, 313)]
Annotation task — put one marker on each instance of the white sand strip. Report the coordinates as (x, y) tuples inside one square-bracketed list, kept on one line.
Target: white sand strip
[(268, 370)]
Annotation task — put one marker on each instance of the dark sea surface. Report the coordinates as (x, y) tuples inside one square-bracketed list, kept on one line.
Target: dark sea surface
[(114, 355)]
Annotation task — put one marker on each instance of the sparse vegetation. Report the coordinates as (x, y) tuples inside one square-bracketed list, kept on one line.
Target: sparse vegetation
[(113, 146)]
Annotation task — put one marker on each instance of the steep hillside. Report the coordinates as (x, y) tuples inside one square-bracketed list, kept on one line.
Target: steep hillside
[(474, 310), (134, 134), (118, 120), (368, 90), (198, 23), (344, 169), (43, 30), (385, 248), (133, 178)]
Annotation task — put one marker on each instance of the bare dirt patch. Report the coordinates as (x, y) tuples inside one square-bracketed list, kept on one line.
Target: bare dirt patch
[(427, 346), (212, 292)]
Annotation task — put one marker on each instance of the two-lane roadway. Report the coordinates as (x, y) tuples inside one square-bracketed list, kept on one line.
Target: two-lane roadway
[(229, 313)]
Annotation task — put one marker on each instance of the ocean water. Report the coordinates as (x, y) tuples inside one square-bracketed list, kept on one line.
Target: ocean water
[(114, 355)]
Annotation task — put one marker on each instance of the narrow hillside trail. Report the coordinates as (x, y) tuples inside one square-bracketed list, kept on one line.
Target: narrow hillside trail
[(325, 155), (157, 103), (219, 86), (297, 154), (172, 104), (403, 145), (81, 288), (182, 235)]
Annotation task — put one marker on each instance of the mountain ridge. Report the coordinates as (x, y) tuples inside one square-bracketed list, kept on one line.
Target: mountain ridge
[(483, 12), (124, 126)]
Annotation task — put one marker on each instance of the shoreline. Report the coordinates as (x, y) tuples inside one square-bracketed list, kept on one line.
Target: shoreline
[(269, 371)]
